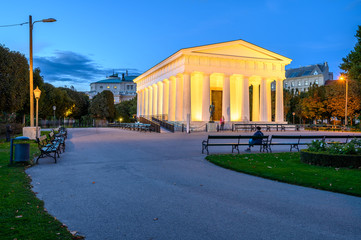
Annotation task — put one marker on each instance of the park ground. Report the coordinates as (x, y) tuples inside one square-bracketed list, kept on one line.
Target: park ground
[(119, 184)]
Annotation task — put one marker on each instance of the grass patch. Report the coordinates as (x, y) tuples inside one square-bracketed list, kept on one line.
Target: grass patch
[(287, 167), (22, 215)]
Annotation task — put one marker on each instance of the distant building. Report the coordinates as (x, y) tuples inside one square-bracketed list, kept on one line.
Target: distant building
[(300, 79), (123, 88)]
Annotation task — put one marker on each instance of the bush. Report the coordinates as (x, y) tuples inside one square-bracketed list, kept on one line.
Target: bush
[(333, 154)]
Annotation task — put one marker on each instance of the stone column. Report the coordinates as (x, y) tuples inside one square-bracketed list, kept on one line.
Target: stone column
[(150, 104), (171, 102), (255, 105), (206, 97), (179, 98), (269, 100), (160, 98), (226, 108), (279, 101), (155, 100), (263, 101), (146, 102), (245, 100), (165, 97), (139, 96), (186, 95)]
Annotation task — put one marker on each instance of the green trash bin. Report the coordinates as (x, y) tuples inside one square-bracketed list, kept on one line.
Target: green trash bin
[(22, 152)]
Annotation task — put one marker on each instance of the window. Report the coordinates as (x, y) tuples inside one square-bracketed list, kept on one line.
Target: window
[(306, 82), (115, 87), (316, 82), (292, 84), (101, 87), (299, 83), (315, 73), (131, 87), (286, 84), (128, 87)]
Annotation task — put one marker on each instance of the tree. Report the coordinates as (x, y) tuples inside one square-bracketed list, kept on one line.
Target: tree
[(51, 96), (336, 99), (352, 62), (14, 80), (81, 103), (102, 106), (313, 104), (126, 110)]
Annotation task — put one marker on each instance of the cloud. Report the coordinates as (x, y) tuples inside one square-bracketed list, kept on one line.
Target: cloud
[(75, 69)]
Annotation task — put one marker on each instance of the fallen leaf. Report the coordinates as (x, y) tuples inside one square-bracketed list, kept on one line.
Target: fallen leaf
[(20, 216), (93, 182), (155, 219), (269, 167)]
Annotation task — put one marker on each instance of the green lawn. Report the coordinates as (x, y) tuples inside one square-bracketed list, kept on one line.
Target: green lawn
[(22, 215), (287, 167)]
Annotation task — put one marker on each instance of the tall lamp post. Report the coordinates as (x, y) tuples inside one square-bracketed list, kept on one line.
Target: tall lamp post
[(346, 82), (31, 24), (54, 108), (293, 114), (37, 93)]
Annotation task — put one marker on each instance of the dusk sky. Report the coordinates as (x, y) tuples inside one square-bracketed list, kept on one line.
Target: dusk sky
[(91, 38)]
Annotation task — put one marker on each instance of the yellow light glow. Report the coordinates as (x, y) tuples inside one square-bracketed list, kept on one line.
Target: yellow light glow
[(120, 119)]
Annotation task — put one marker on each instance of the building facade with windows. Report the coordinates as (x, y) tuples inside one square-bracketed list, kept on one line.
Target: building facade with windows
[(300, 79), (188, 82), (123, 88)]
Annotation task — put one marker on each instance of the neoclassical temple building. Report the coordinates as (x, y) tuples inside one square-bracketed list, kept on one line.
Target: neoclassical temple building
[(221, 74)]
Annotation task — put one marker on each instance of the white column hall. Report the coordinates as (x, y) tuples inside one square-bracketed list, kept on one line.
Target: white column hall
[(179, 98), (155, 99), (206, 97), (226, 109), (279, 101), (186, 95), (263, 100), (255, 101), (143, 101), (245, 100)]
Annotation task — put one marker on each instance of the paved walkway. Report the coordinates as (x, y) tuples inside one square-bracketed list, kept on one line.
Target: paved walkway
[(119, 184)]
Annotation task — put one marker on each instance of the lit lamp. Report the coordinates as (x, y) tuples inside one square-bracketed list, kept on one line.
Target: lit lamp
[(31, 23), (346, 82), (37, 94), (120, 119), (293, 117)]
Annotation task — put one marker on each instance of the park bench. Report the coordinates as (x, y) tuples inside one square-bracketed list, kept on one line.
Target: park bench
[(293, 141), (47, 148), (53, 138), (232, 140)]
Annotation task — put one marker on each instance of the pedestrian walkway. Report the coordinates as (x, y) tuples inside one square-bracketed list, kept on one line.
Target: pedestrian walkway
[(119, 184)]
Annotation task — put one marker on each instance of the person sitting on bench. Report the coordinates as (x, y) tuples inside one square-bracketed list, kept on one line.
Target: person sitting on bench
[(255, 141)]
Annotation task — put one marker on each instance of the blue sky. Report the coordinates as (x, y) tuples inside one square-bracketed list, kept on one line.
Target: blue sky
[(91, 38)]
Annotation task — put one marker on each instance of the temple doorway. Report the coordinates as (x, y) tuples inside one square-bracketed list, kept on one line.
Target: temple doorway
[(216, 99)]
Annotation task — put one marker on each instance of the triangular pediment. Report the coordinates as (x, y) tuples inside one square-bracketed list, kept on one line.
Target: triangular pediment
[(238, 49)]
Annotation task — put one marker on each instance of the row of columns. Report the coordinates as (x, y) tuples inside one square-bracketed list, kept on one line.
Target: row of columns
[(173, 97)]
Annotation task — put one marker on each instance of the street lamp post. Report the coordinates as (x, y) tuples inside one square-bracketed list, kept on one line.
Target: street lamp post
[(31, 24), (37, 93), (346, 82), (54, 108), (293, 117)]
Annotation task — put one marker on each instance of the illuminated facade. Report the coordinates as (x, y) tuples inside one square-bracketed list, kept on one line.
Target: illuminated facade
[(190, 80)]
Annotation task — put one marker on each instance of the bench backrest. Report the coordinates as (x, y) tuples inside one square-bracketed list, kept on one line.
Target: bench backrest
[(41, 139), (223, 137)]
